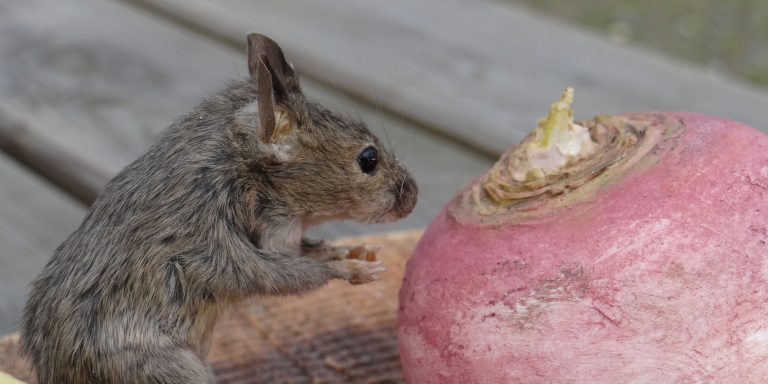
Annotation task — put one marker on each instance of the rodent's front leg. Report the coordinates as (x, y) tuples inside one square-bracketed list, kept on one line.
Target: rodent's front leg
[(240, 269), (319, 250)]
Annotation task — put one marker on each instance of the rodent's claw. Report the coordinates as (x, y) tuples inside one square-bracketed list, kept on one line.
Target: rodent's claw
[(359, 271), (363, 252), (330, 253)]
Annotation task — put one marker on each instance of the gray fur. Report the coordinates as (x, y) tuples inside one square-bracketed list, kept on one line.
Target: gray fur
[(209, 215)]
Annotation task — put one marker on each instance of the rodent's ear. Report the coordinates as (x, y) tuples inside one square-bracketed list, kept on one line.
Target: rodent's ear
[(263, 49), (275, 121), (274, 79), (266, 102)]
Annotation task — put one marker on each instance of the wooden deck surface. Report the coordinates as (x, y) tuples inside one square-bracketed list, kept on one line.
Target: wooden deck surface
[(84, 92), (477, 70), (85, 85)]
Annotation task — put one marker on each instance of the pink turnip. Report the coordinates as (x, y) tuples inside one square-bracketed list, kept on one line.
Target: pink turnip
[(624, 249)]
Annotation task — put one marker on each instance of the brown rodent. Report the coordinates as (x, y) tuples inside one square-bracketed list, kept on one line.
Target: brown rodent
[(212, 213)]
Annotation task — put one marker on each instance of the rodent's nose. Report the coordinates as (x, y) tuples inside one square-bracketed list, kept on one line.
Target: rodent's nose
[(406, 192)]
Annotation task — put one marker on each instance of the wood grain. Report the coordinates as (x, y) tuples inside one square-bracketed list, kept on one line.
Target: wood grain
[(478, 70)]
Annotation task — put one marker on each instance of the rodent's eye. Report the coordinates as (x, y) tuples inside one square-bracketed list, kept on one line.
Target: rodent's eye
[(368, 159)]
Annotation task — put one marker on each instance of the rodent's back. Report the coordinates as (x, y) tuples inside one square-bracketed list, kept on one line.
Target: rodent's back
[(118, 267)]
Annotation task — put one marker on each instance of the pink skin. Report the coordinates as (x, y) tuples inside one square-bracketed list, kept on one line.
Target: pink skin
[(660, 278)]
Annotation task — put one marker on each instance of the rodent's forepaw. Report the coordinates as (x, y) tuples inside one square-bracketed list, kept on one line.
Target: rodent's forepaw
[(321, 252), (358, 271)]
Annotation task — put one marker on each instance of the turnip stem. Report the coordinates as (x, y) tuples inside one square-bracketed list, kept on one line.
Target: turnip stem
[(545, 156), (555, 144), (558, 119)]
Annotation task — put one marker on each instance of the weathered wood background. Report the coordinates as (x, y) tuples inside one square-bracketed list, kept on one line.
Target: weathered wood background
[(85, 85)]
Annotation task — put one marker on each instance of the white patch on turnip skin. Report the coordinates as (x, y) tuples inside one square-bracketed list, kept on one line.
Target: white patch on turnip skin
[(519, 308), (486, 329), (416, 343), (501, 310), (757, 342), (646, 234), (764, 171), (761, 336), (419, 349)]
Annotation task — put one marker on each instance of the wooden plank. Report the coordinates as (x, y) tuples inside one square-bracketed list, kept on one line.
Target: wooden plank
[(34, 218), (478, 70), (90, 86), (87, 84)]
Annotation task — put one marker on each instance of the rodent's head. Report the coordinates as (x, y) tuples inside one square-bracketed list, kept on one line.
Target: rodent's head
[(320, 165)]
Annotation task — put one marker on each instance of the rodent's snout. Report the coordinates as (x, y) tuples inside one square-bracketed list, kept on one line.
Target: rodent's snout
[(406, 192)]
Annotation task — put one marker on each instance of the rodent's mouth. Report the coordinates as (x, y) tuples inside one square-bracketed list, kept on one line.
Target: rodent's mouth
[(378, 219), (383, 217), (402, 198), (395, 213), (406, 194), (389, 217)]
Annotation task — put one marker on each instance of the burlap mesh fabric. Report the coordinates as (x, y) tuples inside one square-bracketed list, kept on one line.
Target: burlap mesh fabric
[(337, 334)]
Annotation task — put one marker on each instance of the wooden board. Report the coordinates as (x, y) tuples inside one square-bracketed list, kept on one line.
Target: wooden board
[(34, 219), (478, 70), (85, 85)]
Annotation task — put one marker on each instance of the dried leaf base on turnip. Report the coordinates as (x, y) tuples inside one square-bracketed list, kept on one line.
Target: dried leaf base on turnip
[(639, 257)]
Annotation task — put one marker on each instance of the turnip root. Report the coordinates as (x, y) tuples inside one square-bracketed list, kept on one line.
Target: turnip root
[(636, 255)]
